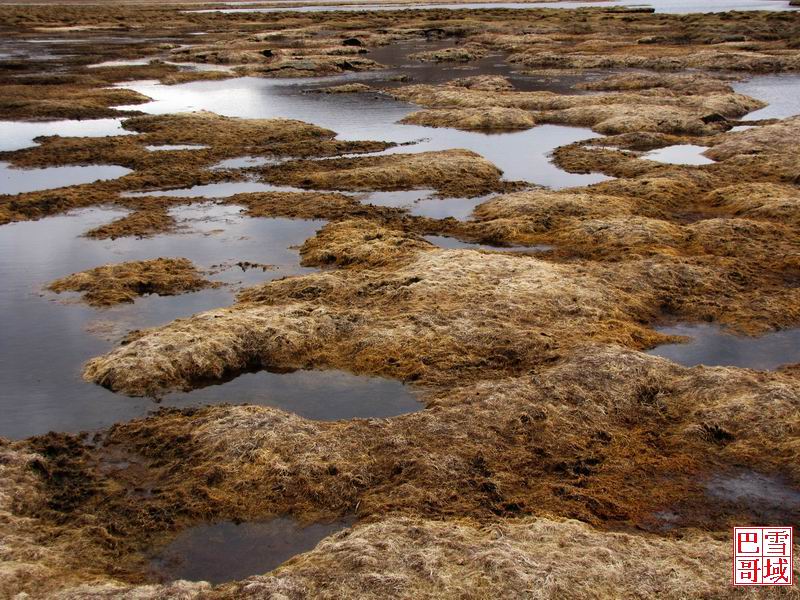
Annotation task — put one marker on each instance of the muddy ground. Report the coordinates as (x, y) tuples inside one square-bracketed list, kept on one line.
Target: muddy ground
[(548, 433)]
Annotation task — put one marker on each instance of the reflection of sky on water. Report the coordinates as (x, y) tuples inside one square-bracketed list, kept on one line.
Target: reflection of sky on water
[(712, 346)]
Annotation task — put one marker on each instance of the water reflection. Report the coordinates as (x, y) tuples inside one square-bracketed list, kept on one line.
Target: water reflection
[(228, 551), (216, 190), (713, 346), (168, 147), (319, 395), (17, 181), (452, 243), (781, 92), (20, 134), (680, 154)]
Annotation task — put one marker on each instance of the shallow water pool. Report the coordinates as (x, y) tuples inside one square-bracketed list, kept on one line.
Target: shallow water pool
[(680, 154), (452, 243), (781, 92), (711, 345), (319, 395), (228, 551)]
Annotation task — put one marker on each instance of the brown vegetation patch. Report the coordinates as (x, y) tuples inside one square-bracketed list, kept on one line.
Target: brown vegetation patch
[(490, 83), (225, 138), (608, 113), (119, 283), (456, 54), (346, 88), (473, 119), (140, 223), (309, 66), (56, 102), (451, 172), (310, 205), (683, 83), (212, 129)]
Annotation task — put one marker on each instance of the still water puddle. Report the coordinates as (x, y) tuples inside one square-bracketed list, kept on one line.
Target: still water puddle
[(228, 551), (319, 395), (425, 203), (680, 154), (768, 499), (168, 147), (711, 345), (133, 62), (17, 181)]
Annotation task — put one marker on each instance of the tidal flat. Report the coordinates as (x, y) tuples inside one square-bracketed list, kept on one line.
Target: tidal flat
[(396, 299)]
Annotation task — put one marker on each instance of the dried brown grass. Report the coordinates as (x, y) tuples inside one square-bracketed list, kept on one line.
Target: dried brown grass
[(451, 172), (120, 283), (141, 223), (473, 119)]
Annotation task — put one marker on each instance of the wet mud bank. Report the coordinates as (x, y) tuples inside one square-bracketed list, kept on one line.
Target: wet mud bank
[(421, 264)]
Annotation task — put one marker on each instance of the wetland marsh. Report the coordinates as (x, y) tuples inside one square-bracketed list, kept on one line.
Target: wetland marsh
[(396, 300)]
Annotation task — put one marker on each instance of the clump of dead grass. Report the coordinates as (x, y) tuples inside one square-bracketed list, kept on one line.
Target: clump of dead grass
[(119, 283), (140, 223), (451, 172), (474, 119)]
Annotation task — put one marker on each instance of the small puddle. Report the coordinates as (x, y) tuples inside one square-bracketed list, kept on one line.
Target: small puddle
[(441, 208), (133, 62), (680, 154), (228, 551), (167, 147), (452, 243), (17, 181), (424, 203), (713, 346), (318, 395)]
